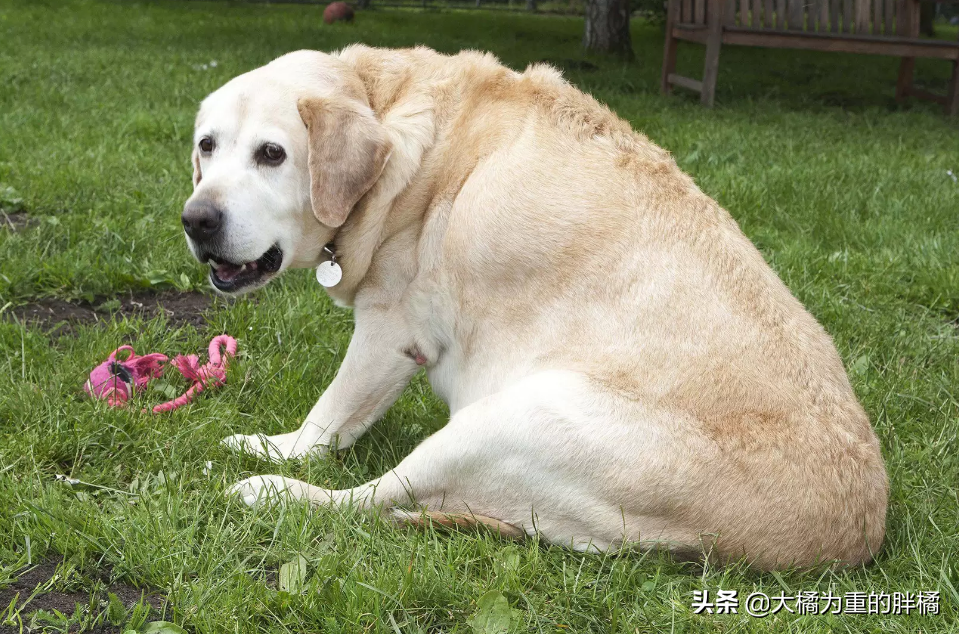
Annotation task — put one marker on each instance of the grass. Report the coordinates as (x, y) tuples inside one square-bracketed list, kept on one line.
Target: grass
[(845, 192)]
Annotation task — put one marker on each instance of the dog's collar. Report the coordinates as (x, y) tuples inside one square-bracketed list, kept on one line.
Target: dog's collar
[(330, 249), (329, 273)]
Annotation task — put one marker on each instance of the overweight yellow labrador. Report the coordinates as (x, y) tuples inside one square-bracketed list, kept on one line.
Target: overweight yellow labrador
[(620, 363)]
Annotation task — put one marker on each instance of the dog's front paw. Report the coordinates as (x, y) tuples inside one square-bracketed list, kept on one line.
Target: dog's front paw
[(273, 448), (265, 489)]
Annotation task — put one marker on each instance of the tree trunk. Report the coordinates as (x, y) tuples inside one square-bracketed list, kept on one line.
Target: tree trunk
[(607, 27), (531, 5)]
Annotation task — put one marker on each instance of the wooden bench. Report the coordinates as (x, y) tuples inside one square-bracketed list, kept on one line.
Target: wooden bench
[(879, 27)]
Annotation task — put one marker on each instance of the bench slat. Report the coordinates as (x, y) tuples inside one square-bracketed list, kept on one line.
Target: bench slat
[(729, 13), (685, 82), (756, 14), (768, 14), (862, 17), (834, 16), (888, 16), (868, 44), (877, 16), (795, 16), (823, 15), (847, 24), (700, 11), (907, 18)]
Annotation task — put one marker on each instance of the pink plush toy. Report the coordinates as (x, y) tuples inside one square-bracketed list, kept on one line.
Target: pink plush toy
[(115, 381)]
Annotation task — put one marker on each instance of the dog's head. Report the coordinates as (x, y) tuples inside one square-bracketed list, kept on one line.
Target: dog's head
[(280, 156)]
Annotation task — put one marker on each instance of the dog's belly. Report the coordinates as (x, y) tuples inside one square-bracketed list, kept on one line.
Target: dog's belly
[(442, 377), (458, 384), (495, 363)]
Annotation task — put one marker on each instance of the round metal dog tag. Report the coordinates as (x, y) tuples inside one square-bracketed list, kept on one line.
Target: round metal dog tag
[(329, 274)]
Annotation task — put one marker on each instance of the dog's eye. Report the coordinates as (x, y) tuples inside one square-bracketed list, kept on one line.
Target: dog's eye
[(271, 154), (206, 145)]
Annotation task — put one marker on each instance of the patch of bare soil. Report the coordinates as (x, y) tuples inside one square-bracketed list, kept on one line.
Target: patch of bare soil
[(61, 317), (17, 221), (35, 578)]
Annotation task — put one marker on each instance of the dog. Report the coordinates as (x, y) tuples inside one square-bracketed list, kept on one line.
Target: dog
[(620, 363)]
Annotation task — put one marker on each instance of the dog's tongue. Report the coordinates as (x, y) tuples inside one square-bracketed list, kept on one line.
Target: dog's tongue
[(227, 272)]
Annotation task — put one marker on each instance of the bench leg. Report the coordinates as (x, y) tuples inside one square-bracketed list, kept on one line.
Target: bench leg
[(952, 98), (669, 61), (904, 84), (711, 69), (669, 48)]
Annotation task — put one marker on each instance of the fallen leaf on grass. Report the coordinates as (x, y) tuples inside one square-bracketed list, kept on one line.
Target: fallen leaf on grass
[(293, 575)]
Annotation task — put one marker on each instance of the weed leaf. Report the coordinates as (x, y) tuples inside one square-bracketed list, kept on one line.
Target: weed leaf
[(492, 614), (162, 627), (861, 365)]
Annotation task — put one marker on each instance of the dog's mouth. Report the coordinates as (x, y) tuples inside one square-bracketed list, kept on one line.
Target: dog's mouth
[(230, 278)]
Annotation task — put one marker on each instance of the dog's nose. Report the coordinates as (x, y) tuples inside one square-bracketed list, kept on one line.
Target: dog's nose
[(201, 219)]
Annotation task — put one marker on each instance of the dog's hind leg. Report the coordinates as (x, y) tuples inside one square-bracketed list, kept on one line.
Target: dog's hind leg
[(552, 454)]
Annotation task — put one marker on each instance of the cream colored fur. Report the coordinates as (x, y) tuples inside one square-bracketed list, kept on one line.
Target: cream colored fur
[(619, 361)]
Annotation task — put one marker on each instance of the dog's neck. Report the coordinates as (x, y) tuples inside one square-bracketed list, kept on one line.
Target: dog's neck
[(402, 195)]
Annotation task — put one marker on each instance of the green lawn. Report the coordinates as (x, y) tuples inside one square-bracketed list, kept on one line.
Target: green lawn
[(846, 194)]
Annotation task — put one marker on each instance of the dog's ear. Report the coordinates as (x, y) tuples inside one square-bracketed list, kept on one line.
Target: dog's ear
[(197, 176), (348, 149)]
